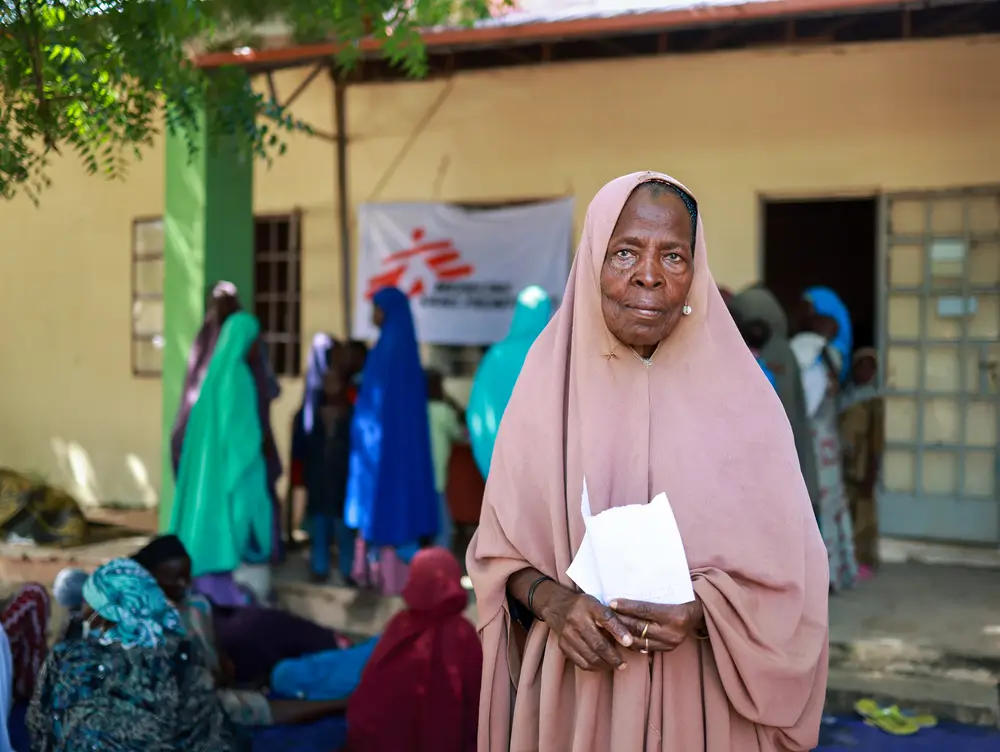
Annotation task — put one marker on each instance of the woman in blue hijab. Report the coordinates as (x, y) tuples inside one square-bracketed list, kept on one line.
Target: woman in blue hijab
[(391, 500), (498, 371), (825, 302)]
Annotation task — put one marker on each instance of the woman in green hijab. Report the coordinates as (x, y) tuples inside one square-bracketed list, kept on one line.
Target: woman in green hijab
[(498, 372), (222, 509)]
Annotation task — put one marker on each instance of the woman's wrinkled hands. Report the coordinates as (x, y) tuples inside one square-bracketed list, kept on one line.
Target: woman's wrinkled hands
[(656, 627), (588, 630)]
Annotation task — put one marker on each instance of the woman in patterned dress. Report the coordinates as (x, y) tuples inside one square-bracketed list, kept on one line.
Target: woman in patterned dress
[(820, 362), (133, 683)]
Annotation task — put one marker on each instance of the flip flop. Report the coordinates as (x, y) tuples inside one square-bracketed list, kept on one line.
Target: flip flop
[(924, 720), (890, 720)]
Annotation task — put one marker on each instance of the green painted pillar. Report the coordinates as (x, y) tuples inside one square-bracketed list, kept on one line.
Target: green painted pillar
[(208, 223)]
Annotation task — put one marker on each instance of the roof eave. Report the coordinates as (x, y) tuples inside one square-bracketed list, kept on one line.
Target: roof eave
[(500, 35)]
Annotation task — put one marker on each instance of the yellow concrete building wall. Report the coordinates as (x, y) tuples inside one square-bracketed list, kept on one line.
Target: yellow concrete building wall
[(732, 126)]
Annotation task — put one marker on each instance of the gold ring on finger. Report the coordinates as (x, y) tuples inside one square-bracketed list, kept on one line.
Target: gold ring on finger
[(645, 649), (645, 628)]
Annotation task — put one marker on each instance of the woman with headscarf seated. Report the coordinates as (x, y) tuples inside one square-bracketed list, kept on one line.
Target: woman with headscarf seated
[(426, 670), (225, 302), (133, 682), (67, 589), (25, 619), (244, 643), (643, 384), (391, 500), (223, 509)]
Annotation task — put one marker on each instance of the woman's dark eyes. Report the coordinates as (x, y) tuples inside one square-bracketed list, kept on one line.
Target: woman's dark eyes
[(625, 254)]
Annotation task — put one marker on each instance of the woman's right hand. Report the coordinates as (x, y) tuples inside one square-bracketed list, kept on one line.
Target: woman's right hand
[(587, 629)]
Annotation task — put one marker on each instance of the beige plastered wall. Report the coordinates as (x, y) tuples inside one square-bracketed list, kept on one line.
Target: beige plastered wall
[(732, 126)]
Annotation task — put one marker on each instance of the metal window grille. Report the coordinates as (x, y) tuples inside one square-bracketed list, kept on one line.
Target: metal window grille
[(147, 297), (277, 295)]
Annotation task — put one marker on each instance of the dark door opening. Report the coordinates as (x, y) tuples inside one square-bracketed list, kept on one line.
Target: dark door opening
[(831, 243)]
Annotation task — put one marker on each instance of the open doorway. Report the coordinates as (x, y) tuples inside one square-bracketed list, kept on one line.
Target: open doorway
[(824, 242)]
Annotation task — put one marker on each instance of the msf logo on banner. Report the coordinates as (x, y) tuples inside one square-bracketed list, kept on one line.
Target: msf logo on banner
[(415, 270)]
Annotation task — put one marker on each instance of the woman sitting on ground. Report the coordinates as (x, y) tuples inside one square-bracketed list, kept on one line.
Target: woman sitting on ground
[(427, 667), (275, 635), (133, 682), (25, 619)]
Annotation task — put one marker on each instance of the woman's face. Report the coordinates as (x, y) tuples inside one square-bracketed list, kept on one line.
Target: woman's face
[(863, 371), (826, 326), (333, 383), (174, 578), (648, 269), (378, 316)]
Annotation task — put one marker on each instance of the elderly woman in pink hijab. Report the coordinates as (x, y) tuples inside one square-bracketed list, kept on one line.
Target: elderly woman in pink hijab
[(642, 382)]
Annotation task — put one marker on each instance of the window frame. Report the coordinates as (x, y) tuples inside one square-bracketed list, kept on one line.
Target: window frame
[(135, 259), (293, 256)]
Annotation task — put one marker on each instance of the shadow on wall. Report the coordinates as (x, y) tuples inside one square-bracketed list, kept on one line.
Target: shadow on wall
[(78, 477)]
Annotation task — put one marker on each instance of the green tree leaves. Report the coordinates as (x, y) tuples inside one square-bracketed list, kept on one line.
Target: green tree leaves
[(102, 78)]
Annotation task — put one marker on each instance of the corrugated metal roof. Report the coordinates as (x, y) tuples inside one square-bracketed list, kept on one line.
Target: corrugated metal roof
[(528, 12)]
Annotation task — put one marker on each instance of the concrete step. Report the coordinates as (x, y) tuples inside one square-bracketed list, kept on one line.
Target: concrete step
[(916, 672), (970, 702), (921, 678)]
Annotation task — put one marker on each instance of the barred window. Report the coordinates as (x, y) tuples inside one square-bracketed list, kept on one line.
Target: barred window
[(147, 297), (277, 299)]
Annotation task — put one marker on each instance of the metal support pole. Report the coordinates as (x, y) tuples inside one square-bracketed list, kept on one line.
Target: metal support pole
[(343, 210)]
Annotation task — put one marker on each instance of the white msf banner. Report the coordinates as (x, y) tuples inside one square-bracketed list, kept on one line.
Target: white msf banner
[(461, 268)]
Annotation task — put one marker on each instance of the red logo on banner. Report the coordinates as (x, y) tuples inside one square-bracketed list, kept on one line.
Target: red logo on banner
[(409, 269)]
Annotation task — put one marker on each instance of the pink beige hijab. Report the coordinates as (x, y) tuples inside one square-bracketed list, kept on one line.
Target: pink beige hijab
[(704, 425)]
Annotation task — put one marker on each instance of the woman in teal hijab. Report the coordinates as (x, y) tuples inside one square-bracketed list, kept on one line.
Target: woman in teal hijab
[(134, 681), (222, 509), (497, 374)]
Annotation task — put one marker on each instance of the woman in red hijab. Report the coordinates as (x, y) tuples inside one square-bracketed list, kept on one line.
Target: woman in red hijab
[(420, 689)]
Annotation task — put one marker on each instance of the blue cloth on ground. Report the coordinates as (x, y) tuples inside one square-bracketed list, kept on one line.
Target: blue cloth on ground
[(852, 735), (330, 675), (391, 497), (327, 735)]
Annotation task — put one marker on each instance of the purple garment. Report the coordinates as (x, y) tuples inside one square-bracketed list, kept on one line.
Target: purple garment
[(257, 638), (222, 590)]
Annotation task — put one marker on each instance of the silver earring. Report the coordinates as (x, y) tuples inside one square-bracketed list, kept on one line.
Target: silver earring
[(686, 310)]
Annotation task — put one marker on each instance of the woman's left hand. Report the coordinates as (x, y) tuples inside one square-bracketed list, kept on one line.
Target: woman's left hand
[(665, 627)]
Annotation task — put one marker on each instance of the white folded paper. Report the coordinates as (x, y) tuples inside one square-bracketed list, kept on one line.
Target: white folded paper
[(633, 552)]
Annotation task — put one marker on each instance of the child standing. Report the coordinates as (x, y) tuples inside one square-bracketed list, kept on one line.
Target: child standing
[(447, 427), (326, 454)]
